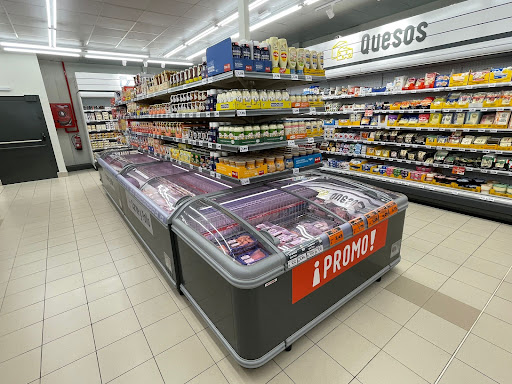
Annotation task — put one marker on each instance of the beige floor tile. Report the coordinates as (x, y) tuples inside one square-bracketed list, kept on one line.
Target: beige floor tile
[(393, 306), (63, 271), (64, 302), (194, 319), (4, 275), (145, 291), (26, 240), (299, 347), (476, 229), (384, 369), (109, 305), (410, 254), (95, 261), (130, 263), (184, 361), (94, 232), (155, 309), (116, 234), (213, 345), (66, 323), (92, 250), (103, 288), (476, 279), (488, 254), (123, 355), (24, 283), (459, 245), (421, 356), (347, 309), (22, 369), (21, 318), (6, 264), (323, 328), (374, 326), (30, 258), (437, 330), (460, 373), (353, 359), (60, 249), (119, 242), (432, 237), (494, 330), (402, 266), (410, 230), (500, 308), (82, 371), (26, 249), (80, 228), (137, 275), (469, 238), (28, 269), (115, 327), (147, 372), (213, 375), (415, 222), (64, 239), (455, 256), (438, 265), (52, 234), (465, 293), (452, 310), (487, 358), (89, 241), (418, 244), (66, 350), (485, 266), (439, 229), (20, 341), (498, 246), (237, 374), (22, 299), (63, 259), (369, 293), (425, 276), (505, 291), (167, 332), (97, 274), (121, 253), (58, 287), (316, 366)]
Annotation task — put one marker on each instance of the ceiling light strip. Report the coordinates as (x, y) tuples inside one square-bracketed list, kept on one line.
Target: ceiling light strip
[(122, 54), (175, 50), (34, 46), (100, 57), (277, 16), (202, 51), (41, 51), (202, 34), (155, 61)]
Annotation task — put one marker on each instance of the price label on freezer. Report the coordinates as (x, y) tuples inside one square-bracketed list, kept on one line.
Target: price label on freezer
[(239, 73), (204, 81), (372, 218), (493, 172), (193, 142), (335, 235), (319, 270), (243, 148), (191, 166), (392, 208), (357, 225)]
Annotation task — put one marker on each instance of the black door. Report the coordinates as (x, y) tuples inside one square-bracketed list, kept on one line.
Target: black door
[(26, 152)]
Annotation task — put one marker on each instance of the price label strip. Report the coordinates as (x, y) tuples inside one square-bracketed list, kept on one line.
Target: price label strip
[(372, 217), (335, 235), (357, 225), (392, 208)]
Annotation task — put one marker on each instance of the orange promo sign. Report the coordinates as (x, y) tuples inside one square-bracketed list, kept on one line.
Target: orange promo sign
[(314, 273)]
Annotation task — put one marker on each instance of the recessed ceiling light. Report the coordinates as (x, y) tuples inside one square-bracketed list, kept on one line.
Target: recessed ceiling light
[(116, 54), (40, 51), (113, 58), (42, 47), (170, 62)]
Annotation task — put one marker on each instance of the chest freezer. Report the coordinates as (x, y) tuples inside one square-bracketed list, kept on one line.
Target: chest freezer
[(266, 263)]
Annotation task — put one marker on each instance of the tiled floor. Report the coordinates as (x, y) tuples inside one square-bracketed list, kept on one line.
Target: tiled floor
[(82, 303)]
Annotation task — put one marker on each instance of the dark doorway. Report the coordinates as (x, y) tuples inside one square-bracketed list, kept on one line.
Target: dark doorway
[(26, 152)]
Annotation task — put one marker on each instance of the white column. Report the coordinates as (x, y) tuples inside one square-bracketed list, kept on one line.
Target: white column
[(243, 20)]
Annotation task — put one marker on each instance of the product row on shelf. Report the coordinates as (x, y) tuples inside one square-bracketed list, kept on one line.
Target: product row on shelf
[(96, 108), (102, 127), (426, 175), (432, 81), (103, 144), (99, 116)]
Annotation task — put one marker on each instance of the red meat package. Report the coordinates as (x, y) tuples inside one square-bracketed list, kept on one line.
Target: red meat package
[(430, 79), (409, 84)]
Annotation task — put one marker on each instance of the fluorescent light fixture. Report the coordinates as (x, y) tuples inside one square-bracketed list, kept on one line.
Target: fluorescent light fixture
[(196, 54), (277, 16), (42, 47), (116, 54), (43, 52), (87, 56), (54, 38), (228, 19), (256, 4), (309, 2), (55, 14), (202, 34), (48, 13), (175, 50), (170, 62)]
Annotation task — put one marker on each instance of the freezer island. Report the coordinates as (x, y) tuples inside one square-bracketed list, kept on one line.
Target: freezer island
[(149, 194), (111, 163), (266, 263)]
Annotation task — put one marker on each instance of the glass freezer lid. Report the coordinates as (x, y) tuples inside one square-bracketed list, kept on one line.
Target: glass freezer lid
[(344, 198), (119, 160), (292, 221), (140, 174), (166, 191), (230, 236)]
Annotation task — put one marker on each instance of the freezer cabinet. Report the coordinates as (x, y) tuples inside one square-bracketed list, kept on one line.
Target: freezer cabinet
[(149, 194), (265, 265), (111, 163)]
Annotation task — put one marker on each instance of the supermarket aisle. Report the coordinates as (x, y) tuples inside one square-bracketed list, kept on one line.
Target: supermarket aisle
[(82, 303)]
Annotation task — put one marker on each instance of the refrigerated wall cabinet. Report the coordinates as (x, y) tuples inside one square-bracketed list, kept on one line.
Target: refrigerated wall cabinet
[(264, 264)]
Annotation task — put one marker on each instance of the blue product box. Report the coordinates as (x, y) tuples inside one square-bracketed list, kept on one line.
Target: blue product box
[(219, 59), (262, 66), (304, 161)]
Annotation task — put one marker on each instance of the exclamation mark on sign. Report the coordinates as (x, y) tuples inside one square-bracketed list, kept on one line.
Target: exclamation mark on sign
[(372, 239)]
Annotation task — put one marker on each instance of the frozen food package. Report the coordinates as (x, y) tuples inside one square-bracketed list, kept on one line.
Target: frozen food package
[(442, 81), (502, 118)]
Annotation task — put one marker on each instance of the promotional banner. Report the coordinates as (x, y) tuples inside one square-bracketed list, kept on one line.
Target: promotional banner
[(314, 273)]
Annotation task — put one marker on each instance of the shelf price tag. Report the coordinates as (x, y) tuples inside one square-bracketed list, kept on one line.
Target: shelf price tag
[(445, 165), (492, 85), (243, 148), (311, 139), (245, 181), (204, 81), (241, 112), (295, 171), (193, 142), (335, 235), (295, 110), (207, 114), (493, 172), (216, 113), (312, 110), (200, 142), (372, 217), (218, 146), (357, 225), (239, 73), (200, 169), (212, 173), (191, 166), (198, 114), (484, 109), (309, 78), (210, 145), (500, 109), (218, 175), (276, 76), (484, 171), (294, 76), (291, 142)]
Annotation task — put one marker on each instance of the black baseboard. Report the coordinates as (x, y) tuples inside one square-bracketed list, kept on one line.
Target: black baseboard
[(79, 167)]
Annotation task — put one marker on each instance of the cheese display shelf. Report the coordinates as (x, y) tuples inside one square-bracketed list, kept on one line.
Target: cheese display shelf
[(426, 128), (234, 79), (264, 264), (489, 205)]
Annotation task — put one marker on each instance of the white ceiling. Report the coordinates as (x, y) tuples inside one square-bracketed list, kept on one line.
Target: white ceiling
[(158, 26)]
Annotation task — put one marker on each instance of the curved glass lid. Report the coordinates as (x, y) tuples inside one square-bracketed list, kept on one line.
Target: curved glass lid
[(291, 220), (344, 198), (141, 174), (231, 237), (119, 160), (166, 191)]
